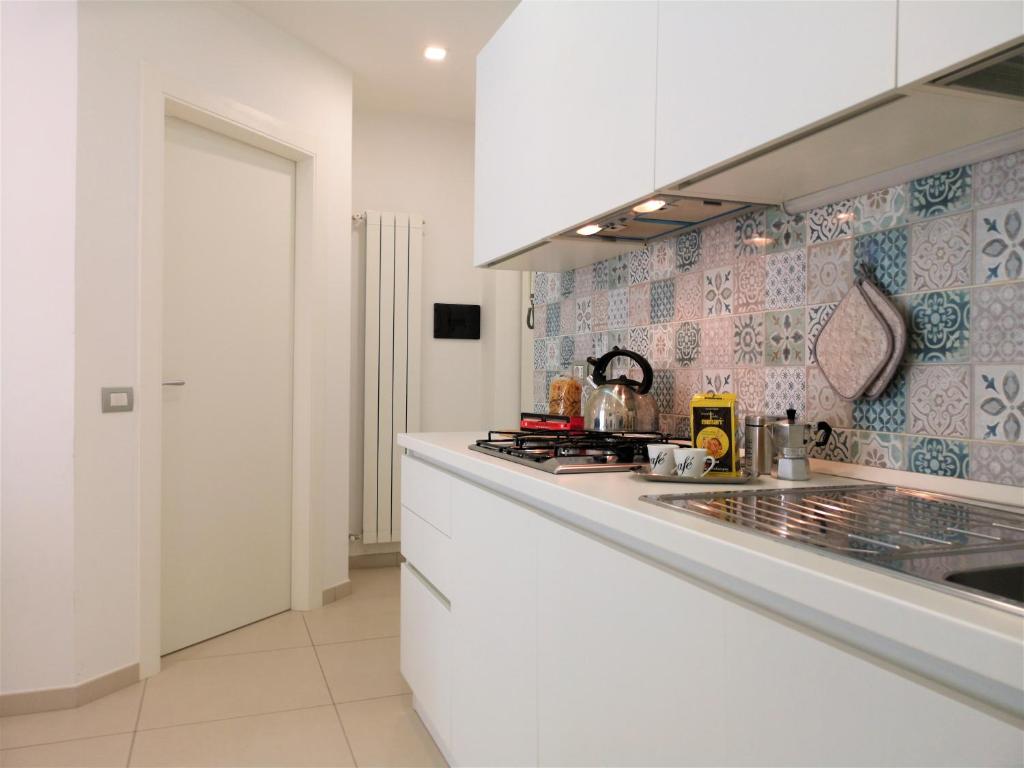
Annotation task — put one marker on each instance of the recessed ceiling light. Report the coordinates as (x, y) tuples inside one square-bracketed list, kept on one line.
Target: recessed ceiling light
[(590, 229), (434, 53), (649, 206)]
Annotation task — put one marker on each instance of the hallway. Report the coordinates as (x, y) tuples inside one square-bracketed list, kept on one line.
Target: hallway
[(320, 688)]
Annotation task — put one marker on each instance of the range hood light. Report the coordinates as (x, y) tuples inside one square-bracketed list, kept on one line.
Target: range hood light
[(589, 229), (845, 216), (758, 241), (649, 206)]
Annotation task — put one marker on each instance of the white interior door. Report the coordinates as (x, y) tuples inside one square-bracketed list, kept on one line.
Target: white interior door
[(227, 398)]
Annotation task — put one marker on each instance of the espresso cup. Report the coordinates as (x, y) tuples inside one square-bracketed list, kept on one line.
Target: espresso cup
[(693, 462), (660, 455)]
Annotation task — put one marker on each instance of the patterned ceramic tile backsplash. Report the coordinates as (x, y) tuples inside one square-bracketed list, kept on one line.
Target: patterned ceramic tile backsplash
[(716, 309)]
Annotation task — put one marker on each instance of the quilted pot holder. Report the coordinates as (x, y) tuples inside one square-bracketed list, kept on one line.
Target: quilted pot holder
[(898, 329), (855, 345)]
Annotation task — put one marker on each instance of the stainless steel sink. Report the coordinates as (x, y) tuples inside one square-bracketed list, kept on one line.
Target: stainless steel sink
[(958, 546)]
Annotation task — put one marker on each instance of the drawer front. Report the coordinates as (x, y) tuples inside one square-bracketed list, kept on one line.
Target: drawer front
[(427, 492), (428, 550), (426, 653)]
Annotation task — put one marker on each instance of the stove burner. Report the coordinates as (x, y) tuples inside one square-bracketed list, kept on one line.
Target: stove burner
[(571, 452)]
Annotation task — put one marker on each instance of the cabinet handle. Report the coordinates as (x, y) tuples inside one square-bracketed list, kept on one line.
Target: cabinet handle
[(174, 383)]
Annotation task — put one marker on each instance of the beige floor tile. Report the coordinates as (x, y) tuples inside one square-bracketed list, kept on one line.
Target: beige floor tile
[(364, 669), (100, 751), (231, 686), (371, 583), (305, 737), (387, 732), (115, 713), (355, 619), (286, 630)]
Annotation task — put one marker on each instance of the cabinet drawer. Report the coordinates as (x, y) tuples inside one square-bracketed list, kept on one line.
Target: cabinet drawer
[(427, 549), (426, 653), (427, 492)]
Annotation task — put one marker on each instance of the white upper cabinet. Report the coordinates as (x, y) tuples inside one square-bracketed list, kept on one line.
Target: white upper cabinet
[(735, 75), (937, 34), (565, 99)]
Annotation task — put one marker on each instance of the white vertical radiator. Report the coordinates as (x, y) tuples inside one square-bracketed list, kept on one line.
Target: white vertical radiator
[(394, 248)]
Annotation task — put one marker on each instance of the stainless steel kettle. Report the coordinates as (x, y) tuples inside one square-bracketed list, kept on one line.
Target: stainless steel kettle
[(620, 405)]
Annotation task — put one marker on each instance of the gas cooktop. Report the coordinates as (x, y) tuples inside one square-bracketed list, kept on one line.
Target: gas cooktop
[(572, 452)]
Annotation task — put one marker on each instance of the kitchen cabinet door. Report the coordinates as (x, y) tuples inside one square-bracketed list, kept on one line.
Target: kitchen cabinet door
[(734, 76), (494, 651), (935, 35), (426, 651), (631, 659), (565, 95)]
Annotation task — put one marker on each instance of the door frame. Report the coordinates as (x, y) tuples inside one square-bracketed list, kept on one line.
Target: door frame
[(165, 96)]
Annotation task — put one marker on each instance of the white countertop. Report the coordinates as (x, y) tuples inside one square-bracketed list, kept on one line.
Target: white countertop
[(967, 646)]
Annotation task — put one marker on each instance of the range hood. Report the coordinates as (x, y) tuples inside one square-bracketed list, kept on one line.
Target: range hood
[(962, 117), (623, 230)]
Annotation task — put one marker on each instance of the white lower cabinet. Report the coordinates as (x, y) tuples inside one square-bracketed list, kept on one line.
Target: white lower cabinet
[(494, 623), (425, 648), (560, 649)]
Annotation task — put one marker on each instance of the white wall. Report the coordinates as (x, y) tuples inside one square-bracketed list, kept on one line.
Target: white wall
[(37, 302), (418, 164), (50, 559)]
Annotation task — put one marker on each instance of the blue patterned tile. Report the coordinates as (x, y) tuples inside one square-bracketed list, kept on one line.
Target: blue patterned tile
[(830, 222), (995, 463), (618, 308), (838, 448), (786, 231), (553, 320), (880, 449), (940, 327), (717, 380), (567, 349), (886, 414), (786, 279), (1000, 180), (997, 323), (618, 271), (640, 340), (816, 319), (999, 402), (601, 276), (748, 339), (540, 287), (688, 344), (663, 301), (718, 291), (941, 193), (584, 314), (881, 209), (749, 232), (785, 387), (785, 337), (999, 243), (688, 251), (663, 390), (942, 458), (568, 283), (539, 354), (639, 266), (884, 256)]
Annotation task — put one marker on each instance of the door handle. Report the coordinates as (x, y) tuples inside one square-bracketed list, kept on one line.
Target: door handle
[(174, 383)]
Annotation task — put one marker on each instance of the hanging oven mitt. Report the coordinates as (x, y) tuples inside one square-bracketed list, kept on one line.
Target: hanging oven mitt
[(897, 327), (855, 345)]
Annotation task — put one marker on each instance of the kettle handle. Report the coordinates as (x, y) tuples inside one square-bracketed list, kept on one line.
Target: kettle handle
[(824, 433), (601, 363)]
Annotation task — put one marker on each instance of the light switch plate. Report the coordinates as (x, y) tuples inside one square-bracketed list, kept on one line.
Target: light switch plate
[(117, 399)]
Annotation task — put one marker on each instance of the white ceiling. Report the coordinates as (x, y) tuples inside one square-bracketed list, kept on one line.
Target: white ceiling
[(382, 42)]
